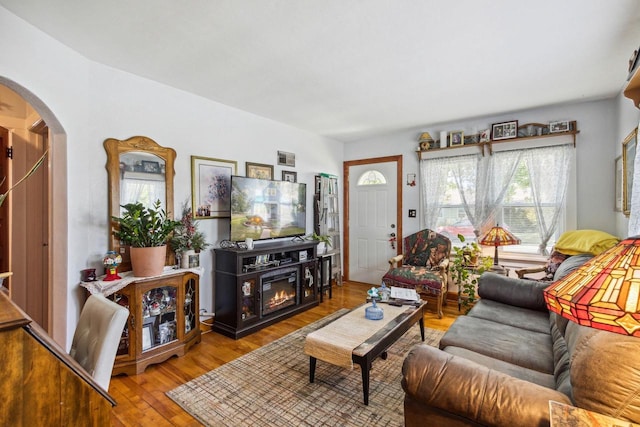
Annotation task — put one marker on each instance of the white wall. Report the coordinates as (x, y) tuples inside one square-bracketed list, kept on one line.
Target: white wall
[(93, 102), (595, 153), (627, 116)]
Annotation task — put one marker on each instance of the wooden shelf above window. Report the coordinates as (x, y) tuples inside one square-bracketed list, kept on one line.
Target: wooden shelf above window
[(489, 144)]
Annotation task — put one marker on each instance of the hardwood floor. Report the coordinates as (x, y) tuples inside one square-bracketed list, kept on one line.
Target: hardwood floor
[(142, 400)]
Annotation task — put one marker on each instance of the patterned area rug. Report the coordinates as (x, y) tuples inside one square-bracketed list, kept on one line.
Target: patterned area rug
[(270, 387)]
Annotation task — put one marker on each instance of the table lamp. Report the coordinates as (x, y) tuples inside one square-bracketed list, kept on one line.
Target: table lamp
[(604, 293), (498, 236)]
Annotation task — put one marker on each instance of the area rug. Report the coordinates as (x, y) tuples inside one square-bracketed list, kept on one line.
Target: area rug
[(270, 387)]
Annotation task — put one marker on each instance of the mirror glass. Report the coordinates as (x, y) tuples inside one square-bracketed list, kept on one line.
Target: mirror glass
[(142, 179), (139, 170)]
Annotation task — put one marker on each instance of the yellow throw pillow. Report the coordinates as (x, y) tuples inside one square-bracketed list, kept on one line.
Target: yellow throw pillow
[(585, 242)]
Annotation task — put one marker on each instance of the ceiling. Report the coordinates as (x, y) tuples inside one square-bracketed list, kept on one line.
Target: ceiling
[(351, 69)]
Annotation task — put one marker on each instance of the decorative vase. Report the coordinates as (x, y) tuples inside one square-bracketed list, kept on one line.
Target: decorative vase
[(148, 262), (186, 257)]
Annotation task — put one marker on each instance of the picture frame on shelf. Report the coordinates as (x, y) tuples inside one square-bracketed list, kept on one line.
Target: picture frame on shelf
[(258, 170), (504, 130), (456, 138), (619, 184), (559, 126), (629, 148), (150, 166), (290, 176), (485, 135), (286, 159), (211, 187), (147, 336)]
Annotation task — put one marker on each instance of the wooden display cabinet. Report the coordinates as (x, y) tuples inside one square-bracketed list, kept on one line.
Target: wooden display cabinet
[(163, 320)]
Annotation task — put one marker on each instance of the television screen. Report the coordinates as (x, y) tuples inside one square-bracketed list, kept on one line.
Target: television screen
[(264, 209)]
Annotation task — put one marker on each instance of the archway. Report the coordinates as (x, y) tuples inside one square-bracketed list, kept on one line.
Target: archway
[(56, 169)]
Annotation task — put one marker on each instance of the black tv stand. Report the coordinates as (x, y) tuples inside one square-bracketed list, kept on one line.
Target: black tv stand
[(257, 287)]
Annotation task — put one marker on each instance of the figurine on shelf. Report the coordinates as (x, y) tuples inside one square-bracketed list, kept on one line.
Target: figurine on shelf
[(111, 261)]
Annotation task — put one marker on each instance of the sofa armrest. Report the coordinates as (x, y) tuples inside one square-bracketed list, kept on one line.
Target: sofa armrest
[(396, 260), (517, 292), (465, 389)]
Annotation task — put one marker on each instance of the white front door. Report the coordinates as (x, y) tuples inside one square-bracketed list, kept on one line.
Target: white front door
[(372, 216)]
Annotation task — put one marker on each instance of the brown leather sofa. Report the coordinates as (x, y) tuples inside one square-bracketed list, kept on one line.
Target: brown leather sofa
[(502, 363)]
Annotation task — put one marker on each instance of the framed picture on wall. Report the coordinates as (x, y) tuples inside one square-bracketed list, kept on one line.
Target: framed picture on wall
[(629, 147), (211, 187), (259, 170), (290, 176)]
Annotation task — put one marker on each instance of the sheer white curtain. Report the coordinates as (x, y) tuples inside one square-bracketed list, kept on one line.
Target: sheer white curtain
[(433, 182), (549, 169), (143, 191), (494, 175)]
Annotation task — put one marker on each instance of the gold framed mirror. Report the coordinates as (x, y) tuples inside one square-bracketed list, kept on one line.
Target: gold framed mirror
[(629, 147), (138, 170)]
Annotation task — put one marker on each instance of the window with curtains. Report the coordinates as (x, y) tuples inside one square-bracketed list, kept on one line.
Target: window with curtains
[(521, 190)]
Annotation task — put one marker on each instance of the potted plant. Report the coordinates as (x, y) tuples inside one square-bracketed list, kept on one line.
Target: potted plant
[(147, 231), (324, 241), (466, 266), (187, 241)]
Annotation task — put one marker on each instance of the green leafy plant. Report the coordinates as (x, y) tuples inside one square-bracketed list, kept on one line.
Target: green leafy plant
[(466, 266), (320, 238), (143, 227), (186, 235)]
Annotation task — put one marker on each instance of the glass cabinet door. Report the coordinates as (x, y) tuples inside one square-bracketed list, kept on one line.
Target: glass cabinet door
[(159, 322), (248, 299), (190, 304), (126, 343)]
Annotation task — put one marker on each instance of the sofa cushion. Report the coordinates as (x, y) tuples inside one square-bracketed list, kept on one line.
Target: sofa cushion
[(605, 372), (540, 378), (518, 292), (532, 320), (518, 346)]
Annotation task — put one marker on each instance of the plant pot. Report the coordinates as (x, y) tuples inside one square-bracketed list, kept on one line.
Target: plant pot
[(322, 248), (190, 259), (148, 262)]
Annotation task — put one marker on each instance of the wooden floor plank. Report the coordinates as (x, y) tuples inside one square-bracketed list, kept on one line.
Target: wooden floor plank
[(142, 400)]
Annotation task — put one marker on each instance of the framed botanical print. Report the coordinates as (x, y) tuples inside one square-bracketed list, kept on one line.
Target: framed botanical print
[(211, 187), (629, 147), (259, 170)]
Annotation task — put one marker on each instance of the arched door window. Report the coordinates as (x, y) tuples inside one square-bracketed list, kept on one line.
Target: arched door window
[(371, 177)]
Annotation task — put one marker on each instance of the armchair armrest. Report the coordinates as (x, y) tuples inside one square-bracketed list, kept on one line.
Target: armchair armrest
[(524, 271), (508, 290), (460, 387), (395, 262)]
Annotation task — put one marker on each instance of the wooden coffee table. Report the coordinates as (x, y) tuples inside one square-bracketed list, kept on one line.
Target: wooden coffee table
[(380, 340)]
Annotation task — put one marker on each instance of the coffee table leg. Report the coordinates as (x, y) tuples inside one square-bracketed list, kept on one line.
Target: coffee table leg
[(365, 381), (422, 328), (312, 368)]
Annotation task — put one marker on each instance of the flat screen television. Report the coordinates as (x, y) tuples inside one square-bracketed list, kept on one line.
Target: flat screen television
[(264, 209)]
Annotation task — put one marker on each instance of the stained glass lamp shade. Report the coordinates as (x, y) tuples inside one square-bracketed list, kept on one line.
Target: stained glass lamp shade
[(498, 236), (604, 293)]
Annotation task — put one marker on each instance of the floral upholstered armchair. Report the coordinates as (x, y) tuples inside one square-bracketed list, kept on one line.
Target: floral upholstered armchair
[(423, 266)]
